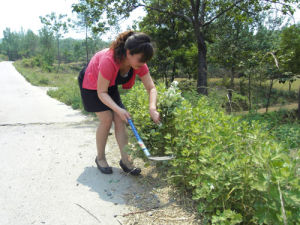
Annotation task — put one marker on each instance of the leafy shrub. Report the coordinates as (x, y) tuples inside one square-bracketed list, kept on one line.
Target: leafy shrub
[(3, 57), (31, 62), (136, 101), (282, 124), (44, 81), (231, 165), (46, 67), (277, 96), (234, 170), (238, 102), (187, 85), (27, 62)]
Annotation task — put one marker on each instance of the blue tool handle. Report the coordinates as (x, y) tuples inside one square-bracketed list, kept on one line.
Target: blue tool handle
[(138, 138)]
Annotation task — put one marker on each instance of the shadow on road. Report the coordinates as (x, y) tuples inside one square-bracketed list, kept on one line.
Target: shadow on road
[(111, 188)]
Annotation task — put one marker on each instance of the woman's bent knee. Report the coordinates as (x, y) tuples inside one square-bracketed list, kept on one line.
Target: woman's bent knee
[(119, 123), (105, 118)]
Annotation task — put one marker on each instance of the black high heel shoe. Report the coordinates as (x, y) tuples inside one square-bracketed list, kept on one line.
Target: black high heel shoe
[(105, 170), (134, 171)]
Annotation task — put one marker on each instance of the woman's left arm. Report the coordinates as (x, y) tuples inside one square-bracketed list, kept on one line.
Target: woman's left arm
[(150, 87)]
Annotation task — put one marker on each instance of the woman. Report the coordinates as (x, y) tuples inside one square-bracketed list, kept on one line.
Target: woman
[(118, 65)]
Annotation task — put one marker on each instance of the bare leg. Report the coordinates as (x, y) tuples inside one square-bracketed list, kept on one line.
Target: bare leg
[(105, 119), (122, 139)]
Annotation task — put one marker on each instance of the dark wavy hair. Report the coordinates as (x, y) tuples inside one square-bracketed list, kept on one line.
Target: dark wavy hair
[(135, 42)]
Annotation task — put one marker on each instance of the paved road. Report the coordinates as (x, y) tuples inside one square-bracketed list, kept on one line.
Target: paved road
[(47, 150)]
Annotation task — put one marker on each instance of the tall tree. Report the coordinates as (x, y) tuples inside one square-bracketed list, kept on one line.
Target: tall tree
[(89, 20), (30, 44), (47, 50), (59, 26), (200, 14), (290, 46), (11, 44), (172, 38), (231, 44)]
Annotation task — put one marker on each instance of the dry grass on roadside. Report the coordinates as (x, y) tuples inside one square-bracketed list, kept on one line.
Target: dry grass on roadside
[(158, 203)]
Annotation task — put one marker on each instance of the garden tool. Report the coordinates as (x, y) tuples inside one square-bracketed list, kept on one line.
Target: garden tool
[(144, 148)]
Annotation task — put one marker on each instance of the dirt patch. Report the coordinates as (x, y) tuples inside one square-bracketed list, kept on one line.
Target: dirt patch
[(279, 107), (156, 202)]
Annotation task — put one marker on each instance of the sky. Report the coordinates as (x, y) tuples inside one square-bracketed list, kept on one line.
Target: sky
[(17, 14)]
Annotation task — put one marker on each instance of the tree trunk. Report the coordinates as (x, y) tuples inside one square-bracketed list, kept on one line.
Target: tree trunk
[(232, 78), (199, 12), (173, 72), (166, 80), (269, 95), (249, 92), (299, 104), (202, 66), (86, 45), (58, 55)]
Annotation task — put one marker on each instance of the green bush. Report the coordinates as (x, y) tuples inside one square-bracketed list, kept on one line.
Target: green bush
[(231, 165), (235, 171), (44, 81), (282, 124), (27, 63), (136, 101), (3, 57), (238, 102), (187, 85), (31, 62)]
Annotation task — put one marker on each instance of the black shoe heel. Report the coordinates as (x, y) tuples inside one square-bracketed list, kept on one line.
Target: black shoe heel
[(135, 171), (105, 170)]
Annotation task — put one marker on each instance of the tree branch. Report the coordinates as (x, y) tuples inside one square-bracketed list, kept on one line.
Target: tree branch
[(246, 11), (277, 2), (188, 19), (203, 8), (221, 13)]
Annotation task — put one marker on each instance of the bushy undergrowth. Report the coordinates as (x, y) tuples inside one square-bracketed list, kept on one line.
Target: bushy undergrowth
[(283, 124), (3, 57), (235, 170), (38, 61), (240, 102)]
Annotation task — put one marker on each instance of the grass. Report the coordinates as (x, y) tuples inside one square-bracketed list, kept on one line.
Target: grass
[(282, 124), (38, 77), (280, 97), (278, 86), (285, 87), (68, 91)]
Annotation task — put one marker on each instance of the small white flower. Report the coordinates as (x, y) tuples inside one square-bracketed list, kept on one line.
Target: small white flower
[(212, 187), (175, 83)]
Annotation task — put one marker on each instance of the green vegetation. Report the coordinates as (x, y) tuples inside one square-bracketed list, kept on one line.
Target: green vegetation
[(3, 57), (39, 77), (282, 124), (239, 168), (285, 86), (39, 50), (234, 167), (240, 102)]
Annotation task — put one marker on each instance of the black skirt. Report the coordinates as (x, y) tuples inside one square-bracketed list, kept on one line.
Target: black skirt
[(90, 99)]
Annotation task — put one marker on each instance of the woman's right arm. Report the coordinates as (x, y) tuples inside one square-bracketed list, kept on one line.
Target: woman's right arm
[(102, 90)]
